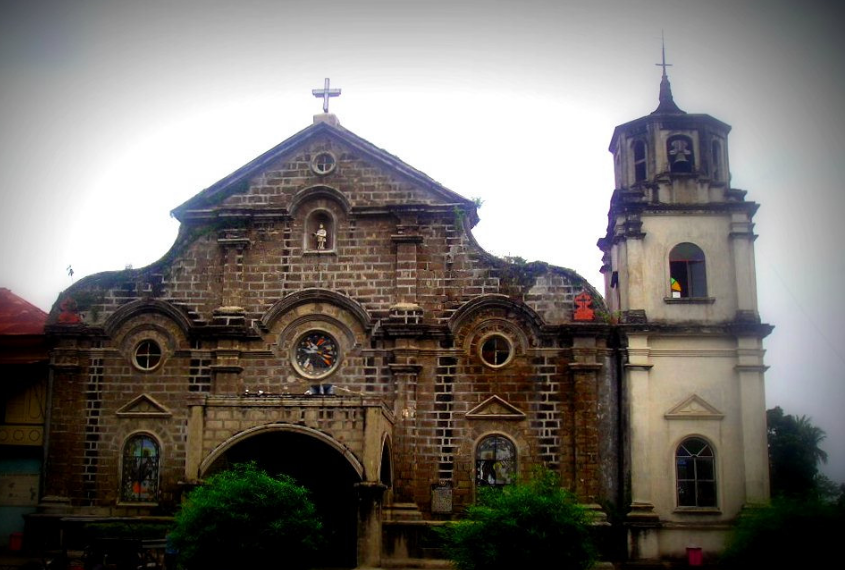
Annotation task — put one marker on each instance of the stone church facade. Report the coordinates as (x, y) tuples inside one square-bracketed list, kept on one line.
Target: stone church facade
[(326, 312)]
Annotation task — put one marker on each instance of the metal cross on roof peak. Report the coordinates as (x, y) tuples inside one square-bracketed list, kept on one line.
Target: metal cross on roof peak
[(664, 65), (325, 93)]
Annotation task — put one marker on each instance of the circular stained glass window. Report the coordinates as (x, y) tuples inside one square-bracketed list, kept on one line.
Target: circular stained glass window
[(147, 355), (496, 350)]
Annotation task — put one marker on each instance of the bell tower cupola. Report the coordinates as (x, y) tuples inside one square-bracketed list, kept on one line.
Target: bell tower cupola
[(671, 155)]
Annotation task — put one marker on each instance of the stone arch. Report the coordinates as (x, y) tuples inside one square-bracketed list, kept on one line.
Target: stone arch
[(491, 313), (141, 306), (328, 469), (316, 295), (495, 301), (225, 446), (316, 192)]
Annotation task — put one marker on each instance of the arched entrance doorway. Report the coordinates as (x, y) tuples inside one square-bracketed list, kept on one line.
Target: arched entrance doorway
[(319, 467)]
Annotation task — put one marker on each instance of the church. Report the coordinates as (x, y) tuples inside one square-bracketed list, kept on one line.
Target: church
[(326, 312)]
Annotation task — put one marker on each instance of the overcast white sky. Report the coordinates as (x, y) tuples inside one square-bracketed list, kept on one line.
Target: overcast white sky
[(112, 113)]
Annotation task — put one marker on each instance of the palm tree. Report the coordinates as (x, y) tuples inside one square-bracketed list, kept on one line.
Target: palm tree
[(810, 437), (794, 453)]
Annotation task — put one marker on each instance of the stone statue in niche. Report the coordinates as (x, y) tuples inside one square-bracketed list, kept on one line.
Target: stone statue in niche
[(321, 235)]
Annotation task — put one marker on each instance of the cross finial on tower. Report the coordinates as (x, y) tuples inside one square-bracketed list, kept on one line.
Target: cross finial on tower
[(325, 93), (664, 65), (667, 103)]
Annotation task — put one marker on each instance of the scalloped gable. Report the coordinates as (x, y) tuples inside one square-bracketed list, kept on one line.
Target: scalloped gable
[(239, 180)]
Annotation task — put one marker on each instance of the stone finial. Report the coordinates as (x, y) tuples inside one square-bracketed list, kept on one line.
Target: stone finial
[(329, 118)]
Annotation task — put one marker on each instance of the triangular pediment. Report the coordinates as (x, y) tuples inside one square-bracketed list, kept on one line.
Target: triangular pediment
[(694, 408), (144, 406), (424, 188), (495, 408)]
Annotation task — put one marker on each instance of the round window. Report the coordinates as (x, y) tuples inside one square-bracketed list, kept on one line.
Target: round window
[(147, 355), (324, 163), (316, 354), (496, 350)]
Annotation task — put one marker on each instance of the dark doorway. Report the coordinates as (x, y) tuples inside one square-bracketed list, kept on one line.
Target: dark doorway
[(323, 471)]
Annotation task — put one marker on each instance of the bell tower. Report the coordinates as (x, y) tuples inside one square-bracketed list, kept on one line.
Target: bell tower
[(678, 262)]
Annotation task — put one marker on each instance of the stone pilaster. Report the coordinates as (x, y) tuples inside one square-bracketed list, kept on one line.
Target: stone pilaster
[(406, 240), (233, 243)]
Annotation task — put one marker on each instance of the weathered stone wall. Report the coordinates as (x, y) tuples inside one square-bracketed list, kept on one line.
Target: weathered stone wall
[(401, 285)]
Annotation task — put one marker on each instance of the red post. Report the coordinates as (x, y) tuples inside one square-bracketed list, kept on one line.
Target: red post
[(694, 556)]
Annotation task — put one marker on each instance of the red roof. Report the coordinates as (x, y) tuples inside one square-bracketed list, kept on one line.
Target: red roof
[(18, 316)]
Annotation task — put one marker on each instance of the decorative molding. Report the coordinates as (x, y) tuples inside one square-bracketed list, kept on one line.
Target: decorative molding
[(694, 408), (689, 300), (760, 368), (585, 366), (495, 408), (403, 368), (27, 435), (406, 238), (143, 406), (226, 368)]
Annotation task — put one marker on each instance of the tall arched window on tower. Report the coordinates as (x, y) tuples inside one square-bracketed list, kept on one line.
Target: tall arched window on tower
[(640, 171), (687, 272), (695, 465), (495, 461), (716, 152), (679, 151), (139, 481)]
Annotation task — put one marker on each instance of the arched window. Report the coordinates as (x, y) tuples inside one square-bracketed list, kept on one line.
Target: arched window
[(640, 171), (495, 461), (716, 151), (680, 153), (695, 466), (386, 471), (139, 482), (687, 273)]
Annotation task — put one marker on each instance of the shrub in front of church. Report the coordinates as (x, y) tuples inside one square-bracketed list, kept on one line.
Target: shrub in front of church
[(245, 518), (526, 525), (788, 533)]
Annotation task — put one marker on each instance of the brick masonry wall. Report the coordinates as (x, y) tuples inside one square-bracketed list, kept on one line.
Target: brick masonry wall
[(390, 241)]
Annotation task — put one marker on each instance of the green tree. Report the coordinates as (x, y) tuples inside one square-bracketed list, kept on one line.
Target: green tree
[(525, 525), (794, 453), (245, 518), (789, 533)]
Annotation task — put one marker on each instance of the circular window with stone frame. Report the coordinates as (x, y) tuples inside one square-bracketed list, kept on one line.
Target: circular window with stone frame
[(147, 355), (495, 350), (316, 354), (323, 163)]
